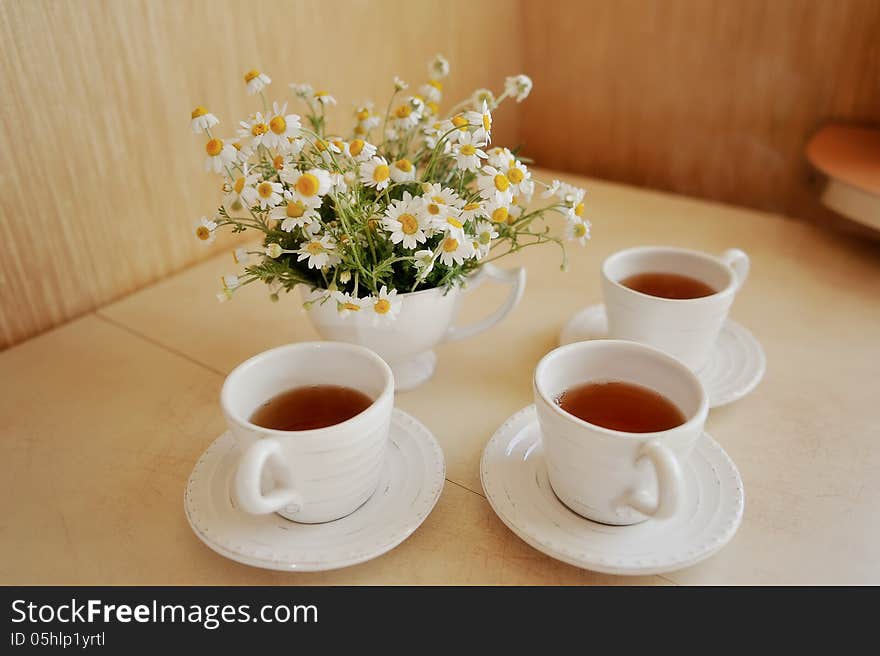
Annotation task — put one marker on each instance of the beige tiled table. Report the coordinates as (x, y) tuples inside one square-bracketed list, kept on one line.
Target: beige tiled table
[(102, 419)]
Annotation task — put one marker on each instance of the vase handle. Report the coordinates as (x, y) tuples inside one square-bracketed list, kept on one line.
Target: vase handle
[(515, 278)]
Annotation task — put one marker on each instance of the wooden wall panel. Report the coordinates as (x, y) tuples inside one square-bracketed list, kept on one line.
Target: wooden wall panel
[(102, 177), (711, 98)]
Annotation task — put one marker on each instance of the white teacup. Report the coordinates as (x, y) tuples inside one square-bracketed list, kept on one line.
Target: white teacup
[(315, 475), (606, 475), (685, 328)]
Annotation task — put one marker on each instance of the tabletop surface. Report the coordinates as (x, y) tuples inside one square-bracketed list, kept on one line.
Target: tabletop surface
[(102, 420)]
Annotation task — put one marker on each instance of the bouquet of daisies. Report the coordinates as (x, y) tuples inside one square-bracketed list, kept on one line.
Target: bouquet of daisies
[(409, 199)]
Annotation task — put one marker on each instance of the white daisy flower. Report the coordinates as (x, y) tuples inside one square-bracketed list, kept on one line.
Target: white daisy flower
[(481, 96), (399, 85), (329, 149), (385, 305), (578, 231), (220, 155), (403, 171), (283, 128), (408, 114), (302, 91), (485, 233), (450, 224), (338, 183), (269, 193), (375, 173), (308, 186), (317, 251), (435, 132), (256, 81), (424, 262), (438, 198), (438, 68), (361, 150), (518, 86), (240, 191), (573, 198), (458, 121), (229, 281), (202, 119), (468, 152), (551, 189), (204, 229), (257, 128), (483, 120), (294, 214), (391, 134), (494, 185), (243, 151), (519, 176), (498, 212), (455, 251), (324, 99), (499, 157), (347, 303), (274, 250), (406, 221), (366, 119), (432, 91), (472, 211)]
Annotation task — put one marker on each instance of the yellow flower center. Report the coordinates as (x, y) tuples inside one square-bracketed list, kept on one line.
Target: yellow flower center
[(433, 107), (251, 74), (363, 115), (580, 230), (320, 94), (450, 245), (295, 209), (471, 207), (199, 111), (264, 189), (460, 122), (404, 165), (501, 182), (381, 173), (307, 184), (355, 147), (408, 224), (468, 150), (455, 223), (339, 144), (403, 111), (487, 122), (499, 215), (579, 209), (437, 84), (485, 237), (239, 185), (278, 125), (203, 233), (259, 128), (382, 306), (515, 175), (237, 145), (213, 147), (351, 306), (321, 145), (359, 130), (434, 209), (278, 162), (315, 248)]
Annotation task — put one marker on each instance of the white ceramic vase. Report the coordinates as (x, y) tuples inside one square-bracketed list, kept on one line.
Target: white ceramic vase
[(425, 320)]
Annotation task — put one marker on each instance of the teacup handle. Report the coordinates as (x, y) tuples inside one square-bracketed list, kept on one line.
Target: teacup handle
[(738, 261), (250, 470), (516, 278), (669, 483)]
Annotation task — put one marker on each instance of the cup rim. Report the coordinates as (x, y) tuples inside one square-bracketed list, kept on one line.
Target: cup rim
[(259, 358), (728, 290), (697, 418)]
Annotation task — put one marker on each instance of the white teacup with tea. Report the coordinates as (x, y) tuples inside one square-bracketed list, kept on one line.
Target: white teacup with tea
[(672, 298), (312, 446), (618, 420)]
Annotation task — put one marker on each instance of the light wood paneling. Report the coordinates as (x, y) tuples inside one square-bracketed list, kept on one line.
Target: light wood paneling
[(102, 177), (711, 98)]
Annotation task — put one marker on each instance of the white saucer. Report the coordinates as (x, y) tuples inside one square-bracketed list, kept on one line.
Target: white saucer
[(735, 367), (515, 480), (410, 484)]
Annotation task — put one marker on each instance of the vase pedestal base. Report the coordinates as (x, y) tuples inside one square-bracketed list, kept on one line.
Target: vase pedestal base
[(409, 374)]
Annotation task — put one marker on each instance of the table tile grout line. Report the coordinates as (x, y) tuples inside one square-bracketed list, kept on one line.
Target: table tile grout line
[(156, 342)]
